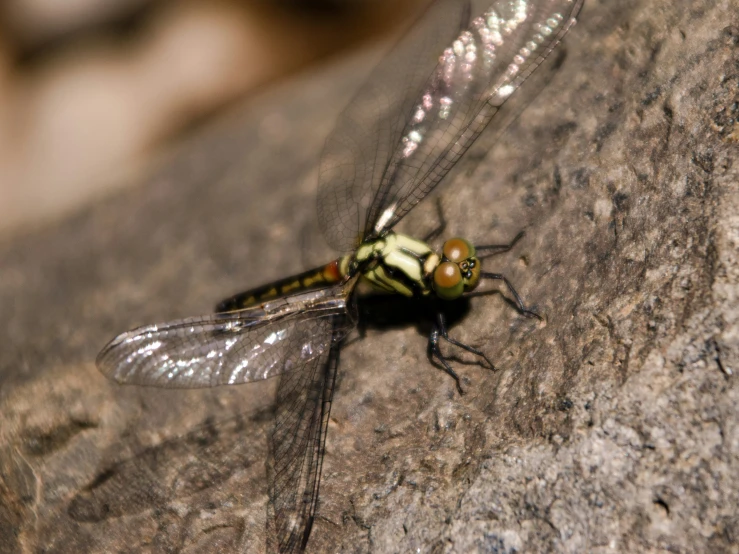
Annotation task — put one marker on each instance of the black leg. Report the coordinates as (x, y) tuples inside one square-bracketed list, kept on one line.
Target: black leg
[(442, 223), (486, 251), (500, 277), (434, 353), (441, 324), (440, 330)]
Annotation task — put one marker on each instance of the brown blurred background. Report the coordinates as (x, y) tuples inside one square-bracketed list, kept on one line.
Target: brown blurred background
[(91, 90)]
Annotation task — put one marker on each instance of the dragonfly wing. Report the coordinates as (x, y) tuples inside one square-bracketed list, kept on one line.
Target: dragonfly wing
[(361, 144), (388, 153), (222, 349), (479, 71), (297, 447)]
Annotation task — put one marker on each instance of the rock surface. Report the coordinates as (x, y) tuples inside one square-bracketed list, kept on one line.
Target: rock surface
[(612, 426)]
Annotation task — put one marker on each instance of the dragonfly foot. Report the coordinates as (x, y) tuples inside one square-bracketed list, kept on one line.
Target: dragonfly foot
[(519, 303), (531, 314)]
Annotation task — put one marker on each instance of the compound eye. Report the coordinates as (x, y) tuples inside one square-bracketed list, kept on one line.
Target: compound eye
[(455, 250), (448, 282)]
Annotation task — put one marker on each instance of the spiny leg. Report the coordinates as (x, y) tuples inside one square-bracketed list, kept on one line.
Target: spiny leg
[(440, 330), (519, 303), (489, 250), (440, 227)]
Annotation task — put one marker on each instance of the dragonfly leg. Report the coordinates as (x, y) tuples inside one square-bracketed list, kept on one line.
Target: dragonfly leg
[(441, 325), (440, 227), (438, 332), (488, 250), (519, 303), (434, 353)]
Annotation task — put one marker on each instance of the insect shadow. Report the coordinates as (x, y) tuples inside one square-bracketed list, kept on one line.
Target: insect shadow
[(384, 312), (211, 453)]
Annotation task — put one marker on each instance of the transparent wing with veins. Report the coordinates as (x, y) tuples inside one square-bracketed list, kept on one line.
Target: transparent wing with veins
[(372, 181), (361, 144), (296, 338), (227, 348)]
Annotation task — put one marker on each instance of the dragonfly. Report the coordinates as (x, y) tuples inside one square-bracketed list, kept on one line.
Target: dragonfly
[(420, 110)]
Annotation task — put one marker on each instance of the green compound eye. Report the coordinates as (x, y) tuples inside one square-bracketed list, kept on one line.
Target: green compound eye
[(448, 282)]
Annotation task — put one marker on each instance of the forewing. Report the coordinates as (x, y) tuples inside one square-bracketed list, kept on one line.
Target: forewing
[(476, 74), (359, 148), (388, 152), (219, 349)]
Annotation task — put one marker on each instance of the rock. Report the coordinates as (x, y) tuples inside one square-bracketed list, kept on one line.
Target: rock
[(610, 426)]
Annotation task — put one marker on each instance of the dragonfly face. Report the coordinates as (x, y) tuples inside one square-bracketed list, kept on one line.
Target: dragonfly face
[(459, 270)]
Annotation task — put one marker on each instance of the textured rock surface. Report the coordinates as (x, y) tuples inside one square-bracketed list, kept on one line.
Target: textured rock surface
[(611, 426)]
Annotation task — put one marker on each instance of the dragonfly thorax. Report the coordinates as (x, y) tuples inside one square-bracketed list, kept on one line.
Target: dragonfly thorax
[(403, 265)]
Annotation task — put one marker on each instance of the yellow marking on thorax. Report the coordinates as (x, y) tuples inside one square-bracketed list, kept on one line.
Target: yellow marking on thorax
[(401, 253), (411, 244), (365, 251), (405, 263), (381, 280)]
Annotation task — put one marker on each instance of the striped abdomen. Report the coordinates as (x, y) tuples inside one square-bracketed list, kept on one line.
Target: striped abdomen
[(311, 279)]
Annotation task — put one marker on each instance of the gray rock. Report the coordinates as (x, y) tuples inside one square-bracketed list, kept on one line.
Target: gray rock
[(611, 426)]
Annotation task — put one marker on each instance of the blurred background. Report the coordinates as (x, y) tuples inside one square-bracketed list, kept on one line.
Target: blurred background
[(92, 90)]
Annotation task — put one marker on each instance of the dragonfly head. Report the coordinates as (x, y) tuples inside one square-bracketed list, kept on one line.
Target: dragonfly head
[(459, 270)]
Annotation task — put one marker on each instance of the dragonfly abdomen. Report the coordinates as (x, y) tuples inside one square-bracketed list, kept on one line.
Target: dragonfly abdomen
[(312, 279)]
